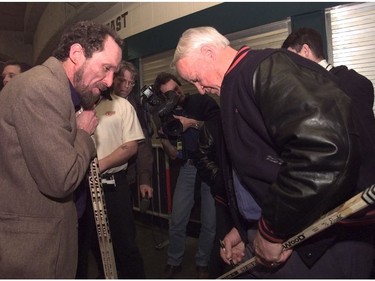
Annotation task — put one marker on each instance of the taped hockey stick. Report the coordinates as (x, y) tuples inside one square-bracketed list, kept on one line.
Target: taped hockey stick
[(101, 221), (351, 206)]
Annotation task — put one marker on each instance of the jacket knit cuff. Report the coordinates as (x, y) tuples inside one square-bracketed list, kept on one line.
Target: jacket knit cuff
[(267, 233), (145, 178)]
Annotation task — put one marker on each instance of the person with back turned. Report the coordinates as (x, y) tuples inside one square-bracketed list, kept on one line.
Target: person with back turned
[(293, 147), (46, 150), (308, 43)]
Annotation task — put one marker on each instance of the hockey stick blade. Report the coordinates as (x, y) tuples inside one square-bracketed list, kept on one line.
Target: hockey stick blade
[(348, 208)]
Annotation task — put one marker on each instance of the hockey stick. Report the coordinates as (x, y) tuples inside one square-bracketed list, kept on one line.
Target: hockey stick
[(101, 221), (351, 206)]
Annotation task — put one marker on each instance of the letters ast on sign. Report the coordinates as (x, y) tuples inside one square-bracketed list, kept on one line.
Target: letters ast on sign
[(119, 22)]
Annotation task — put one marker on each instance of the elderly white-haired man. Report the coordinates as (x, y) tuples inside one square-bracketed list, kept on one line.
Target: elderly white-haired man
[(292, 144)]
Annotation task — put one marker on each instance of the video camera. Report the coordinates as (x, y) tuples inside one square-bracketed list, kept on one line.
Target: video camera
[(166, 106)]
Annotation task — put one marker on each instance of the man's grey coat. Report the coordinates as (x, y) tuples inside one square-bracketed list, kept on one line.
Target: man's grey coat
[(43, 158)]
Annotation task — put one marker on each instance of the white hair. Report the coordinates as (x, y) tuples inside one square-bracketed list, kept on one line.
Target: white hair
[(193, 38)]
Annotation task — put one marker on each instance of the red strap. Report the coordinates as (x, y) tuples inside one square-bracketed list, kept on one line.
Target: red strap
[(367, 218), (240, 55)]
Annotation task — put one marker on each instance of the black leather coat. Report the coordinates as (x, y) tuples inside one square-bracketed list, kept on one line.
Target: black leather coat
[(290, 136)]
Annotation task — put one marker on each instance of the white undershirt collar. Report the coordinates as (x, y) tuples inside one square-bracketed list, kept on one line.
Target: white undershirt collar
[(325, 64)]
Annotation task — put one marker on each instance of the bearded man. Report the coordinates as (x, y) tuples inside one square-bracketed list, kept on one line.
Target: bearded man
[(46, 150)]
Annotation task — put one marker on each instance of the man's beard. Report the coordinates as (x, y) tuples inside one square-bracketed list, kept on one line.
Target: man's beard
[(88, 98)]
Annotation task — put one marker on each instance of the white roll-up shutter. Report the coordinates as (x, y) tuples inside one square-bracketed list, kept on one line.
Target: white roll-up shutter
[(266, 36), (352, 40)]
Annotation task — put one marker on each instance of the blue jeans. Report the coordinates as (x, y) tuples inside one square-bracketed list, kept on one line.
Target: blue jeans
[(183, 201)]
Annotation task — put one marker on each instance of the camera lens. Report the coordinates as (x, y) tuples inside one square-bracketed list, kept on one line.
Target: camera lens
[(173, 128)]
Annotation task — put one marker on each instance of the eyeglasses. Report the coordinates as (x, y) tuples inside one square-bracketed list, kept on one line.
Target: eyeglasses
[(128, 83)]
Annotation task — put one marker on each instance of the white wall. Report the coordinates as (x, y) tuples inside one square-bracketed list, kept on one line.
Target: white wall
[(142, 16), (129, 18)]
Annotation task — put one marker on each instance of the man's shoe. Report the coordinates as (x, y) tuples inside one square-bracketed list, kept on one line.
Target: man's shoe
[(170, 271), (202, 272)]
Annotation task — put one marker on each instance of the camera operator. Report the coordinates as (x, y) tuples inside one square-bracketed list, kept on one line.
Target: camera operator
[(180, 143)]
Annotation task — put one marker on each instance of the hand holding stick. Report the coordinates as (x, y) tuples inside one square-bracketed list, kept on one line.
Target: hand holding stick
[(351, 206)]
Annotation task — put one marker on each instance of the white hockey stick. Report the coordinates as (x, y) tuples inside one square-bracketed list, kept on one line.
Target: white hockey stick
[(101, 221), (351, 206)]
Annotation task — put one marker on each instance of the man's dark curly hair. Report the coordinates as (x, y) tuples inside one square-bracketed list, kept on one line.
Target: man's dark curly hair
[(163, 78), (89, 35)]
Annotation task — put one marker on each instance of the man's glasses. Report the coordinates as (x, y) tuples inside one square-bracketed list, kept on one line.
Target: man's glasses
[(128, 83)]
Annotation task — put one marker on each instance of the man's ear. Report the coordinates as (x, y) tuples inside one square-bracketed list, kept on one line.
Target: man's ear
[(306, 51), (207, 51), (77, 54)]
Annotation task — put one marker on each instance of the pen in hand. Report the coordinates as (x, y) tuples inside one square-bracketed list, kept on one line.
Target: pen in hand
[(222, 246)]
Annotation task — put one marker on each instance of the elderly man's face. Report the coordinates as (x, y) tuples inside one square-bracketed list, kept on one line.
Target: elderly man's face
[(201, 73), (96, 73), (9, 72)]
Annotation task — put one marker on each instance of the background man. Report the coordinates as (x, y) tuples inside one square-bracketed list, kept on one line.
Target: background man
[(308, 43), (294, 152), (191, 110), (208, 159), (48, 150), (140, 167), (119, 137), (12, 68)]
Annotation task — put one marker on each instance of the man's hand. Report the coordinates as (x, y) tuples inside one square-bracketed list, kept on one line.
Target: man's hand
[(269, 254), (161, 134), (146, 190), (186, 122), (87, 121), (234, 248)]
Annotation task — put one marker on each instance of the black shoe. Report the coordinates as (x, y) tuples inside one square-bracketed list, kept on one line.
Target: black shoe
[(170, 271), (202, 272)]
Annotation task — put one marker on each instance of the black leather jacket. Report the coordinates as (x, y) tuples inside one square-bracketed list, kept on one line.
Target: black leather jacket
[(207, 156), (290, 136), (210, 158)]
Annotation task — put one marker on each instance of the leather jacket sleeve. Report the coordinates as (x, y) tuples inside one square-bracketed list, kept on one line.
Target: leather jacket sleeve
[(203, 157), (309, 119)]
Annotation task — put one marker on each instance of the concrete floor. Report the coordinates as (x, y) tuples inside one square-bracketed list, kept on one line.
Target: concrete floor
[(152, 240), (155, 257)]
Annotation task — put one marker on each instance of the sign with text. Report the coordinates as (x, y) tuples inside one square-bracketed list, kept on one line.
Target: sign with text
[(118, 23)]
